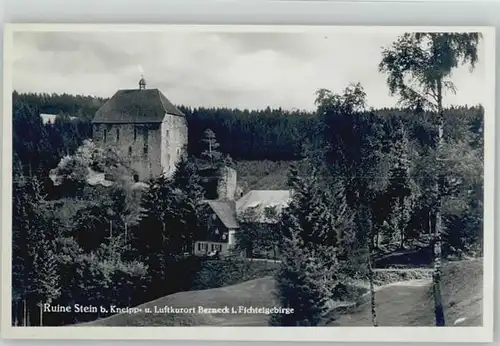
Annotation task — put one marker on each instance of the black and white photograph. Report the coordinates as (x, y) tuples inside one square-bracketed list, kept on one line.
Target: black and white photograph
[(248, 176)]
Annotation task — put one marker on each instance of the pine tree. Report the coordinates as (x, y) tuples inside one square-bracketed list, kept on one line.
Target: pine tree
[(173, 215), (22, 223), (309, 268), (305, 280), (118, 277), (36, 273), (46, 281), (322, 212), (193, 212), (154, 235), (349, 147), (211, 153), (399, 190)]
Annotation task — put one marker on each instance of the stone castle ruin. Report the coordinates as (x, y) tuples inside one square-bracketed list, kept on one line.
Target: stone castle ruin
[(144, 128), (150, 135)]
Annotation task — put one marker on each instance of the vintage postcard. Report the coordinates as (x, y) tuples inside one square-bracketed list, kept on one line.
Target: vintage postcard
[(197, 180)]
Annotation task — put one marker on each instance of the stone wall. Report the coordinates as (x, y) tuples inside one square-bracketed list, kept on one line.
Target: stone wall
[(226, 187), (149, 149), (139, 145), (173, 142)]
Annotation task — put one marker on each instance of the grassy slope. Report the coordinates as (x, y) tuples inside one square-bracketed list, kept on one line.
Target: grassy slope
[(257, 293), (397, 305), (264, 175), (404, 305)]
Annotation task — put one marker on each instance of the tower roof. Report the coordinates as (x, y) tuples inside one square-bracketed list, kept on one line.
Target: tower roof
[(136, 106)]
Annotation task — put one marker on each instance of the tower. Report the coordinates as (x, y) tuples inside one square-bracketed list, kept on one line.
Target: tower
[(144, 128)]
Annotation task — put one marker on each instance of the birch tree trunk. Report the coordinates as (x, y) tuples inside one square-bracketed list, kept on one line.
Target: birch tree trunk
[(372, 287), (438, 303)]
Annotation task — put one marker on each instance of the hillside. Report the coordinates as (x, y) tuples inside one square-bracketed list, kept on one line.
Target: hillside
[(256, 293), (264, 175), (398, 304), (412, 304)]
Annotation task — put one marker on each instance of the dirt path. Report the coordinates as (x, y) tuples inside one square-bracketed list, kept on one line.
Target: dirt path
[(410, 303)]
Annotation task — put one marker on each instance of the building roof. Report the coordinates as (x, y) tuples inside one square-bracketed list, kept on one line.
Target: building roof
[(48, 118), (141, 186), (136, 106), (226, 211), (51, 118), (257, 201)]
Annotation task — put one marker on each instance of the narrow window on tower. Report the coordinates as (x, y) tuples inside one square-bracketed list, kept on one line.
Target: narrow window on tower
[(135, 134), (105, 135), (130, 151), (117, 135), (145, 149)]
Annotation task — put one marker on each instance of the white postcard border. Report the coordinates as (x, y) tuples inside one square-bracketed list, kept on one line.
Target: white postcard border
[(360, 334)]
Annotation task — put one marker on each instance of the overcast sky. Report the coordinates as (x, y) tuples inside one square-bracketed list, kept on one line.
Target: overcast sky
[(244, 70)]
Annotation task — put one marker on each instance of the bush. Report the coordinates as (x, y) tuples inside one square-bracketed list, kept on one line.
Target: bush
[(230, 271)]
